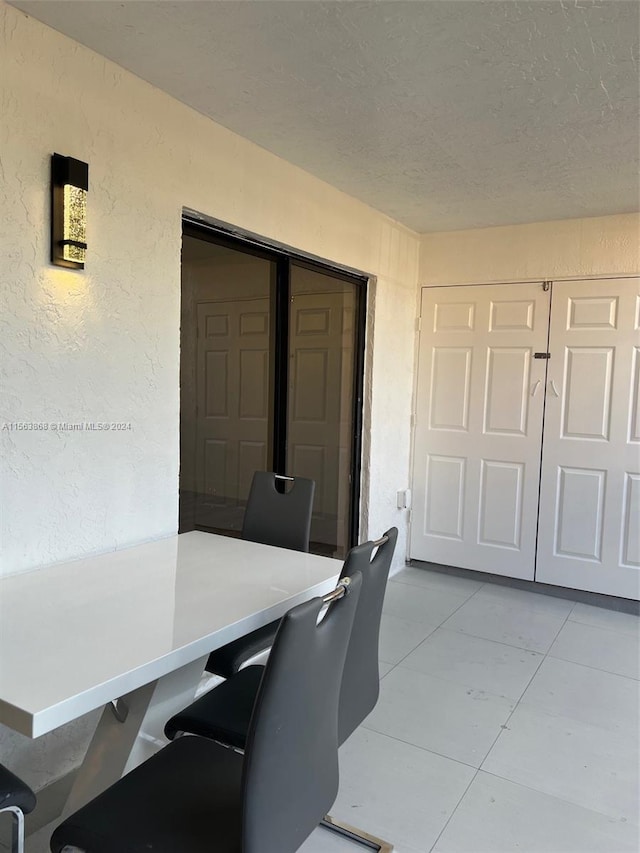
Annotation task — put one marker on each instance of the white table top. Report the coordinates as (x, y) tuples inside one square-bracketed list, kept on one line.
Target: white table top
[(76, 635)]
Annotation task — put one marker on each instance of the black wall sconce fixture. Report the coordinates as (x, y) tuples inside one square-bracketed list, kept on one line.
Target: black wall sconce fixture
[(69, 185)]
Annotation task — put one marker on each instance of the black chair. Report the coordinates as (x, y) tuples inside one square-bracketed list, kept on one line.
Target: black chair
[(223, 714), (18, 799), (361, 681), (196, 796), (272, 517), (280, 518)]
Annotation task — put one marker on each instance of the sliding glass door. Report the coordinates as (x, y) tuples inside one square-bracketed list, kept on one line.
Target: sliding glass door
[(271, 379)]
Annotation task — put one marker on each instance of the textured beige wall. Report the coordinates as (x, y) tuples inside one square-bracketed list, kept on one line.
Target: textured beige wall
[(572, 248), (103, 344)]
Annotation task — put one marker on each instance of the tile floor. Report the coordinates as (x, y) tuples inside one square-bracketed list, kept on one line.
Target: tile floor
[(507, 721)]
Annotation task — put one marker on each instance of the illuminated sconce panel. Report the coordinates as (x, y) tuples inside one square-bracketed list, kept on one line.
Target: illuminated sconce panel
[(69, 185)]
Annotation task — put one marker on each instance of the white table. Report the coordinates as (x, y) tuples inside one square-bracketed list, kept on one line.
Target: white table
[(139, 624)]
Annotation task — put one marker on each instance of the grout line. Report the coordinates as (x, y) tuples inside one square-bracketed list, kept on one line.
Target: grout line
[(480, 588), (511, 645), (458, 633), (369, 728), (448, 821), (537, 601), (464, 596), (411, 651), (435, 587), (473, 594), (439, 625), (572, 609), (557, 634), (466, 686), (475, 775), (517, 704), (590, 666), (605, 627), (609, 817), (512, 605), (466, 634)]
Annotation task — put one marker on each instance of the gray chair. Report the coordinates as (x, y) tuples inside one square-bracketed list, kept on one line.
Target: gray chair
[(223, 714), (16, 799), (197, 796), (278, 512)]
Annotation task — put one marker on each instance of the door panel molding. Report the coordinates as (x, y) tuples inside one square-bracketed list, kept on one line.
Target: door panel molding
[(589, 503), (478, 430)]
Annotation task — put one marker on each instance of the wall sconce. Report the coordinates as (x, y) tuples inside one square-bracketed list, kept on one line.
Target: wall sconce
[(69, 185)]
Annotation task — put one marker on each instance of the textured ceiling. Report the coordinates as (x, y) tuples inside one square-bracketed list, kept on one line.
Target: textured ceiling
[(442, 114)]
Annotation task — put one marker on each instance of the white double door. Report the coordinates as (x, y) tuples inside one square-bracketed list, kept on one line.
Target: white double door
[(528, 466)]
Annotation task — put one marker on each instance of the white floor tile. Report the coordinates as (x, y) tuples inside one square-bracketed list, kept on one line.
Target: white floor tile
[(506, 622), (586, 694), (497, 816), (437, 580), (482, 664), (611, 651), (599, 617), (577, 762), (534, 601), (450, 719), (398, 792), (399, 636), (384, 668), (418, 604)]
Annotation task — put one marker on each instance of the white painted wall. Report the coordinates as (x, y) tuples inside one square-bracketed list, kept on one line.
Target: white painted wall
[(572, 248), (103, 344)]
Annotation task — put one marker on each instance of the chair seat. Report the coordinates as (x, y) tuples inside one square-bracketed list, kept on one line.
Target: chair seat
[(14, 792), (223, 713), (228, 660), (185, 799)]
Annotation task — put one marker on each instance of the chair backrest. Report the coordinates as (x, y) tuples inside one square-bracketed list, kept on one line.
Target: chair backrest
[(279, 518), (361, 679), (290, 769)]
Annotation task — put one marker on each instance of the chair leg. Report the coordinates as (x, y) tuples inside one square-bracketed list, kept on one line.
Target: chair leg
[(17, 829), (357, 835)]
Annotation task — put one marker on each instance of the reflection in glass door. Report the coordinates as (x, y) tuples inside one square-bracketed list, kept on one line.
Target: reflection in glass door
[(271, 379), (226, 381), (320, 399)]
